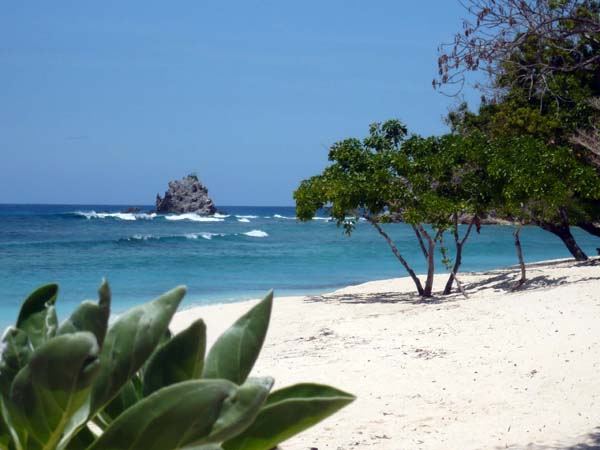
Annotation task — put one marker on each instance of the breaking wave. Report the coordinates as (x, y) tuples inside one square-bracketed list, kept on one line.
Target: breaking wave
[(279, 216), (122, 216), (257, 234), (195, 218), (191, 236)]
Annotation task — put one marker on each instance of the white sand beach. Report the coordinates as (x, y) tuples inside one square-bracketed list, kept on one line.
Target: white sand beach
[(497, 370)]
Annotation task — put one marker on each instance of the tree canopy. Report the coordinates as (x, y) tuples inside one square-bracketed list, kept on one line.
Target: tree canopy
[(388, 176)]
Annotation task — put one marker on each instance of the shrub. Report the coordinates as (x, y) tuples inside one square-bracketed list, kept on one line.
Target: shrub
[(81, 384)]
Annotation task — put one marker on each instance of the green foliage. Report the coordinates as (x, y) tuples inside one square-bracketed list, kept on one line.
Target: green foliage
[(387, 176), (235, 352), (529, 173), (361, 179), (287, 412), (37, 317), (425, 180), (83, 385), (179, 359), (533, 180)]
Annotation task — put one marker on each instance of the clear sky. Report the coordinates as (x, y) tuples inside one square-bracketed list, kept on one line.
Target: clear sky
[(104, 102)]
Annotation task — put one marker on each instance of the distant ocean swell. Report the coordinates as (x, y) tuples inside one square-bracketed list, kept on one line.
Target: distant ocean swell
[(140, 237), (191, 217), (194, 236)]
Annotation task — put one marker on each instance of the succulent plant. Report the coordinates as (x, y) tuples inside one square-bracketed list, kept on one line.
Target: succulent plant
[(85, 385)]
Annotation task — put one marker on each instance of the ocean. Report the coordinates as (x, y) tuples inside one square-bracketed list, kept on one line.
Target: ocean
[(229, 257)]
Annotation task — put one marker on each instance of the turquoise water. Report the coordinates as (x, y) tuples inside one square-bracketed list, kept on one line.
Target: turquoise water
[(220, 259)]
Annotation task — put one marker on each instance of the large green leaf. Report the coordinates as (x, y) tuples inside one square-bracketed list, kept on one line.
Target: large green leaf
[(129, 342), (287, 412), (179, 359), (18, 434), (15, 354), (239, 412), (233, 355), (90, 316), (81, 440), (129, 395), (177, 416), (5, 435), (48, 391), (205, 447), (37, 317)]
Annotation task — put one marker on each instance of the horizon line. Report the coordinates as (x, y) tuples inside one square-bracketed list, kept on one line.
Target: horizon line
[(130, 205)]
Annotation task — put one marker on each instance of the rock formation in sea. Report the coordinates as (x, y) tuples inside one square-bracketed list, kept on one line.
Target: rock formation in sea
[(187, 195)]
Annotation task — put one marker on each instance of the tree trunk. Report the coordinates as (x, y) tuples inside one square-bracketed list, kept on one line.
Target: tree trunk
[(564, 233), (420, 239), (396, 252), (590, 227), (458, 261), (431, 243), (523, 279)]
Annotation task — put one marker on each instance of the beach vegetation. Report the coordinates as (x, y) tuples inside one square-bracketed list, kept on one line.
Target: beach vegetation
[(428, 183), (540, 64), (131, 384), (539, 44)]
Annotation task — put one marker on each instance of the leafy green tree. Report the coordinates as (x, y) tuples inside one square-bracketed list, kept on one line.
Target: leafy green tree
[(588, 137), (388, 177), (554, 186), (542, 59), (454, 167), (367, 179), (542, 184)]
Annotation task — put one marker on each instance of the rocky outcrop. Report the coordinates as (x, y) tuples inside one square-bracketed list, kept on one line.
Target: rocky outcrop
[(187, 195)]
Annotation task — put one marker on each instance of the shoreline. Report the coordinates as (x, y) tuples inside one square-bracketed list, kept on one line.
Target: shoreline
[(331, 290), (497, 370)]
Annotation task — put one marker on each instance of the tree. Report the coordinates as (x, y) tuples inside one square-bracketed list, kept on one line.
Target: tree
[(527, 42), (366, 179), (450, 169), (388, 177), (542, 184), (588, 138)]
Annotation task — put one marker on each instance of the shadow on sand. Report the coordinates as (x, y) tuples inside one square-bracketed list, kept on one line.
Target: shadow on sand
[(590, 441), (496, 280)]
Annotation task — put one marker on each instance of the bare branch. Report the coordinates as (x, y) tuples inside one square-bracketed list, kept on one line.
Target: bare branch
[(533, 40)]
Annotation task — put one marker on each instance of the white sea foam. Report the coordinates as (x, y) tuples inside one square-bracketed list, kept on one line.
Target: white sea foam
[(243, 220), (142, 237), (322, 218), (239, 216), (209, 236), (220, 216), (206, 235), (256, 233), (191, 236), (122, 216), (279, 216), (194, 218)]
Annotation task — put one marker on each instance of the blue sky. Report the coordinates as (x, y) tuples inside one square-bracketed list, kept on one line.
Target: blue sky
[(104, 102)]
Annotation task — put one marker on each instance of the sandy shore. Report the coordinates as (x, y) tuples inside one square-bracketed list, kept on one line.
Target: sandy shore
[(497, 370)]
